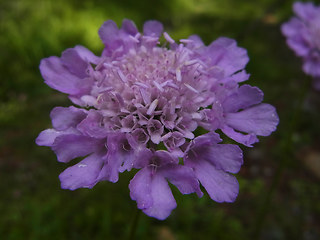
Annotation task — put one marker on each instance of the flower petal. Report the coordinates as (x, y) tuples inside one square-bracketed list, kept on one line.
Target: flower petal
[(163, 158), (196, 42), (75, 64), (70, 146), (221, 186), (64, 118), (137, 159), (210, 138), (244, 97), (47, 137), (86, 54), (297, 36), (138, 138), (155, 130), (83, 174), (140, 189), (226, 157), (238, 77), (119, 153), (225, 54), (152, 28), (108, 32), (92, 125), (129, 27), (246, 140), (163, 201), (58, 77), (182, 177), (261, 120)]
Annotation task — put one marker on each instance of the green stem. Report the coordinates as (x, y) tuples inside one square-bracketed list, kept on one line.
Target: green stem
[(134, 225)]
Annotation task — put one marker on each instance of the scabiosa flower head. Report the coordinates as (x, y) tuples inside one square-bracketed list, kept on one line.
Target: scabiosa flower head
[(303, 37), (139, 106)]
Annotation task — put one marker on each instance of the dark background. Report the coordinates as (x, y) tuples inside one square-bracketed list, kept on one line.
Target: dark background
[(279, 182)]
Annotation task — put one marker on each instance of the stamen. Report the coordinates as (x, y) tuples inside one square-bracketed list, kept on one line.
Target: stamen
[(97, 76), (143, 49), (168, 38), (196, 116), (191, 62), (202, 63), (183, 56), (165, 83), (215, 67), (89, 100), (119, 49), (171, 84), (102, 79), (150, 39), (133, 52), (134, 39), (141, 85), (179, 120), (186, 41), (104, 90), (191, 88), (145, 96), (122, 76), (123, 110), (108, 113), (178, 74), (158, 86), (199, 99), (120, 99), (152, 106), (100, 64), (138, 35)]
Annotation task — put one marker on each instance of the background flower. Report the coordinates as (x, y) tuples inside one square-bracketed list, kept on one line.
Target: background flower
[(303, 36)]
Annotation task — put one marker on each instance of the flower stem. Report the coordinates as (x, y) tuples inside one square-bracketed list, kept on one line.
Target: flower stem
[(134, 225)]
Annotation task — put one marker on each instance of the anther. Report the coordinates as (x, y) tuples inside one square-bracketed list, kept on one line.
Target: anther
[(134, 39), (178, 74), (191, 88), (191, 62), (168, 38), (158, 86), (152, 106), (122, 76), (186, 41)]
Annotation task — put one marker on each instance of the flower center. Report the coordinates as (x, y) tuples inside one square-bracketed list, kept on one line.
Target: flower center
[(157, 90)]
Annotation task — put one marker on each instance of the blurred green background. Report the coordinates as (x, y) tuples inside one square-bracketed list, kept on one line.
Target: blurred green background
[(279, 182)]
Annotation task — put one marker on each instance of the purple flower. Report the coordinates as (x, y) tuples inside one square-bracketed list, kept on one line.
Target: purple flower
[(303, 37), (150, 188), (139, 106)]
